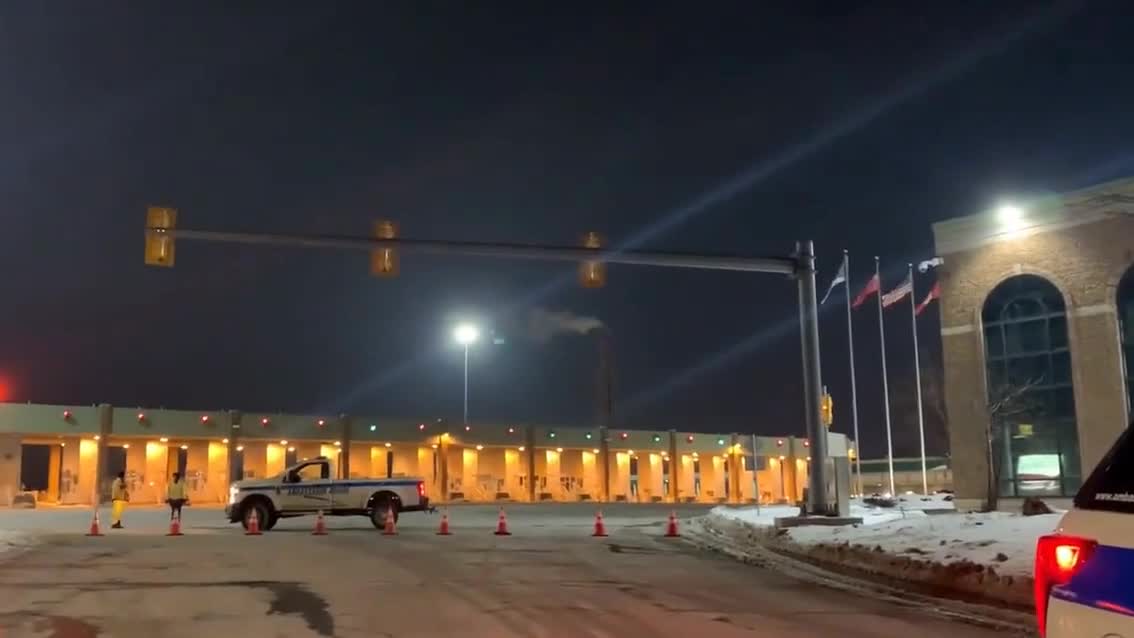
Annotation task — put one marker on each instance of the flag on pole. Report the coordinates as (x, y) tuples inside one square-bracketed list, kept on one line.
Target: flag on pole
[(930, 263), (934, 293), (840, 278), (899, 293), (872, 287)]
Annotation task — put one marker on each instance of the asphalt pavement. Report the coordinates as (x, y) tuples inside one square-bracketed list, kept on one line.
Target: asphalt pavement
[(549, 579)]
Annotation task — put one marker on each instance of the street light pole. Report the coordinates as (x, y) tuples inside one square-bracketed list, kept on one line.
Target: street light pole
[(466, 334), (466, 384)]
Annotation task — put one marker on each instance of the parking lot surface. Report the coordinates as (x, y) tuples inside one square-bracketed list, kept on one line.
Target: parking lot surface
[(549, 579)]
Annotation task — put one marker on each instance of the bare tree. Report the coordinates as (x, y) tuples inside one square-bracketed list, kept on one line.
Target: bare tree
[(904, 398), (1004, 403)]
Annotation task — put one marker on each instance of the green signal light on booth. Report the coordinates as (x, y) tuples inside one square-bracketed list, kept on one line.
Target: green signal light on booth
[(588, 435), (551, 435), (657, 438), (374, 428), (720, 441)]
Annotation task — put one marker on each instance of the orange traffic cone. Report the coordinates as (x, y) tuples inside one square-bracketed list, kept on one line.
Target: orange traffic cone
[(175, 526), (390, 529), (671, 527), (94, 531), (253, 525), (600, 527), (320, 525), (443, 529), (502, 525)]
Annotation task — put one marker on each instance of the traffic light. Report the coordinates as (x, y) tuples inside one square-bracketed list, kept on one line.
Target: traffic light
[(384, 261), (827, 410), (592, 274), (159, 241)]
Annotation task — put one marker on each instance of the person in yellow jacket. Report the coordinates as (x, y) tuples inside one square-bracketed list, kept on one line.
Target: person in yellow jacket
[(176, 495), (119, 496)]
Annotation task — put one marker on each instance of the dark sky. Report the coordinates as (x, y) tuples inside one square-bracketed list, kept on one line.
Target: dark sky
[(728, 128)]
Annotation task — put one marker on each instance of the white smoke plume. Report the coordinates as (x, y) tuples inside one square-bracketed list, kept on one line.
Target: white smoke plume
[(544, 325)]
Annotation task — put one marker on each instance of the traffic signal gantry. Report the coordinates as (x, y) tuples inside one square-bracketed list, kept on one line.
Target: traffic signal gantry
[(385, 248)]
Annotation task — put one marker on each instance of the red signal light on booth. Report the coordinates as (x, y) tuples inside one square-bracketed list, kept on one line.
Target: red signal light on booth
[(320, 423), (66, 415), (689, 439), (807, 444), (468, 428), (141, 416), (624, 436), (779, 442), (421, 426), (204, 418), (265, 422), (511, 430)]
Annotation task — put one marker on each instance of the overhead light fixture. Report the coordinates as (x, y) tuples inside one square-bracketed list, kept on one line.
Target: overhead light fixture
[(164, 440), (479, 448)]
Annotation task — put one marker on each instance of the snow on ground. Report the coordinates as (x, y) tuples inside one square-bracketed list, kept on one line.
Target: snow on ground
[(997, 539), (766, 516), (913, 501)]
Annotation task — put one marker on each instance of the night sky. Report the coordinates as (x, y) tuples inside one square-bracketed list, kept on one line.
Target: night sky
[(729, 128)]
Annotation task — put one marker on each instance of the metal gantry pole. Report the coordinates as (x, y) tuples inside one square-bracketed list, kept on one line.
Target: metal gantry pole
[(778, 265), (853, 375), (812, 377)]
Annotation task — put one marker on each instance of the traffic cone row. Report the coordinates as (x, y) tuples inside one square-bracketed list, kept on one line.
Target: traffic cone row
[(390, 529), (390, 526), (175, 526)]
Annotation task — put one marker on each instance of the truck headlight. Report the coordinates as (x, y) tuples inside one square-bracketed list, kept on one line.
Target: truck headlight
[(232, 492)]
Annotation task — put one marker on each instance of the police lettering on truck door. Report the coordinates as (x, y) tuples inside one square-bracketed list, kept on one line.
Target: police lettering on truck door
[(311, 492)]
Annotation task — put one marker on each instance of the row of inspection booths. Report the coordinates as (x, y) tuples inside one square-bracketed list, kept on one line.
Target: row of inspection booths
[(70, 454)]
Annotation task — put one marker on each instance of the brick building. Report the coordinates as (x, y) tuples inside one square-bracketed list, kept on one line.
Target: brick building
[(1038, 340)]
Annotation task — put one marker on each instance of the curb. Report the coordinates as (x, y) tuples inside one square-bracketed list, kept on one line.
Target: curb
[(712, 533)]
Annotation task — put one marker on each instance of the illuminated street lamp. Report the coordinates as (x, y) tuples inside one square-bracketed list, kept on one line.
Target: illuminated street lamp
[(466, 334), (1010, 217)]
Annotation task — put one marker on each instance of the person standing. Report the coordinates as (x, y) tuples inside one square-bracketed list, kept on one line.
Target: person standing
[(119, 496), (176, 495)]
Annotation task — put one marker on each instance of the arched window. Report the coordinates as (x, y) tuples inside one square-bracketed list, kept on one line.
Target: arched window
[(1031, 397), (1126, 331)]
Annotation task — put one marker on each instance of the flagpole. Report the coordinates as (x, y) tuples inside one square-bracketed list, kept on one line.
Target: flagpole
[(917, 377), (885, 382), (853, 383)]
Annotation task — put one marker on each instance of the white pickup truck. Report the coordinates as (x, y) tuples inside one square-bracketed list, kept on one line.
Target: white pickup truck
[(307, 488)]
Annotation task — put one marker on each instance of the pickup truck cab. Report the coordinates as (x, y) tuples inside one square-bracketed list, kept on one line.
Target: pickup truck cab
[(307, 488)]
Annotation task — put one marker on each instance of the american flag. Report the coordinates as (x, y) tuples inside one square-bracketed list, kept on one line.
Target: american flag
[(899, 293)]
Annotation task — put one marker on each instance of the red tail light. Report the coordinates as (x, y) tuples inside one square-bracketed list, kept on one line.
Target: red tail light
[(420, 489), (1058, 558)]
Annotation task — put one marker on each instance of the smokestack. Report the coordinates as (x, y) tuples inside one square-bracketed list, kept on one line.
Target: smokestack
[(544, 325), (605, 381)]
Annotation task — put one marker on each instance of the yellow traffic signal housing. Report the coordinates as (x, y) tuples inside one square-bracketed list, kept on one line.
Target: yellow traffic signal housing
[(828, 410), (159, 240), (592, 274), (384, 261)]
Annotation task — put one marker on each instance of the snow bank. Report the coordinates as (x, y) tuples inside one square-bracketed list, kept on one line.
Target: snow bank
[(987, 554)]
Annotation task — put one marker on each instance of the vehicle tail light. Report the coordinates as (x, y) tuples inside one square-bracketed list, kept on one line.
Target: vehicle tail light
[(420, 489), (1058, 559)]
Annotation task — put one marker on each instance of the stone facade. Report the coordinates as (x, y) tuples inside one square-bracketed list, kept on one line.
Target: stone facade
[(1083, 244)]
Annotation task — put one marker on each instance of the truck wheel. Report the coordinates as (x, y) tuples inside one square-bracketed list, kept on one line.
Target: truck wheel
[(261, 513), (378, 514), (272, 520)]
